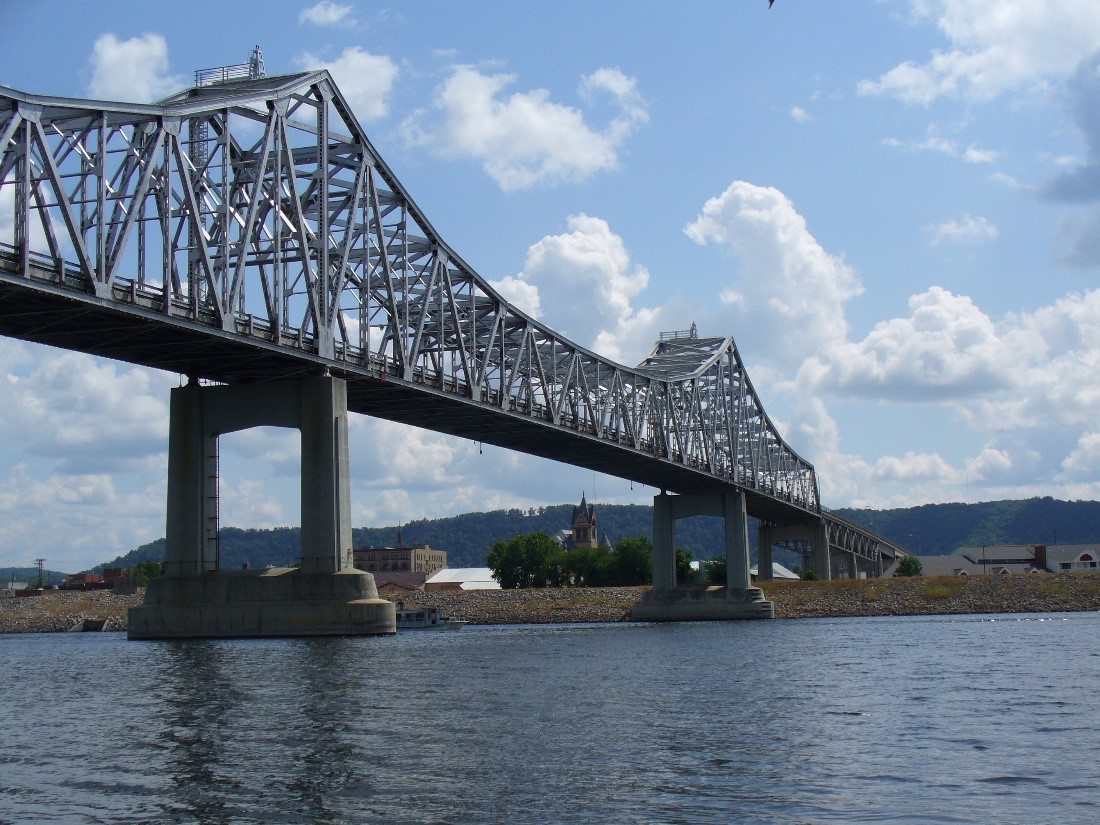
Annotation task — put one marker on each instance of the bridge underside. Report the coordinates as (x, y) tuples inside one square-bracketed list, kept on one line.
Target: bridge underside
[(52, 314)]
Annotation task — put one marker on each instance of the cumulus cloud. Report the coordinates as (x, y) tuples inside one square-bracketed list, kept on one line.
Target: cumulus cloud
[(85, 412), (1081, 182), (325, 13), (249, 504), (134, 70), (91, 519), (1021, 372), (800, 115), (968, 230), (366, 80), (525, 139), (995, 46), (583, 284), (1019, 377), (789, 299), (1083, 462), (946, 348)]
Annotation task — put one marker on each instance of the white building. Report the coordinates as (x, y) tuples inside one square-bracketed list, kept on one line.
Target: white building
[(462, 578)]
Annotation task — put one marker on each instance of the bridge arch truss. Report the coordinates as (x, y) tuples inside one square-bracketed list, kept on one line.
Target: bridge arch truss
[(248, 230)]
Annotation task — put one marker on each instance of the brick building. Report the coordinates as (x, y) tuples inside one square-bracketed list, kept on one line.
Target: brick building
[(420, 558)]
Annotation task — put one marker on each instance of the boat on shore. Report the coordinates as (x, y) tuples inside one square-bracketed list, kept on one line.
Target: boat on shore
[(425, 618)]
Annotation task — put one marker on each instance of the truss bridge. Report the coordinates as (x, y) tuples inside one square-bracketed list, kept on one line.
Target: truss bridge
[(246, 232)]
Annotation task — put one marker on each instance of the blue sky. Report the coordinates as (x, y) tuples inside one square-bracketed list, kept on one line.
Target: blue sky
[(892, 206)]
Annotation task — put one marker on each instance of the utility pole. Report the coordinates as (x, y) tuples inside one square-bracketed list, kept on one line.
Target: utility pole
[(39, 562)]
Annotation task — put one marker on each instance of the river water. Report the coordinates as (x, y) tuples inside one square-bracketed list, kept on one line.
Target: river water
[(902, 720)]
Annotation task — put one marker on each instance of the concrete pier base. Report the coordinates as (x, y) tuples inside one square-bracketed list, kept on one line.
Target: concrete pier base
[(280, 601), (688, 604)]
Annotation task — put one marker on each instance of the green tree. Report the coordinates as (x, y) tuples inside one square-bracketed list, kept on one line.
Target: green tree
[(143, 571), (684, 573), (716, 570), (529, 560), (633, 561), (589, 566), (909, 566)]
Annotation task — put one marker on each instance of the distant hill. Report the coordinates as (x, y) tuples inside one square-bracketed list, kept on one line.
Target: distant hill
[(29, 575), (938, 529), (931, 529)]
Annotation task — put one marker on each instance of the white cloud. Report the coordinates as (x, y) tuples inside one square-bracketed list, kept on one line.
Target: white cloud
[(915, 467), (91, 521), (945, 146), (38, 242), (366, 80), (968, 230), (800, 115), (325, 13), (995, 46), (249, 504), (527, 140), (789, 299), (85, 412), (946, 348), (519, 293), (1084, 461), (988, 464), (134, 70), (583, 284)]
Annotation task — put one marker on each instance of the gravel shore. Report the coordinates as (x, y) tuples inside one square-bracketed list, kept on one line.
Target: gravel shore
[(61, 610)]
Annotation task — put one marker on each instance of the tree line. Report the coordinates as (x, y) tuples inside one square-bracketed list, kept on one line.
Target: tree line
[(537, 560)]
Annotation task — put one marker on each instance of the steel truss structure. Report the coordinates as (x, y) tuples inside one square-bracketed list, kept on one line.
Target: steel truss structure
[(257, 210)]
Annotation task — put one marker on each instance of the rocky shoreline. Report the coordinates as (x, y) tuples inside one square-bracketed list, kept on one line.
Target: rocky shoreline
[(56, 611)]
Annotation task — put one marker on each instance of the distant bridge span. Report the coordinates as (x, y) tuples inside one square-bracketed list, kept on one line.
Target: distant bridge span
[(247, 231)]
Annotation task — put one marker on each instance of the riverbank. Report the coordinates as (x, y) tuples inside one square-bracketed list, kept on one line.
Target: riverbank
[(60, 610)]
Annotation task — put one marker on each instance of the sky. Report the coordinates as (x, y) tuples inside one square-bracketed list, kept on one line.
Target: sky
[(893, 206)]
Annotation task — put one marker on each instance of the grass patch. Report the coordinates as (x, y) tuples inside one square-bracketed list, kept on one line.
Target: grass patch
[(873, 593), (943, 587)]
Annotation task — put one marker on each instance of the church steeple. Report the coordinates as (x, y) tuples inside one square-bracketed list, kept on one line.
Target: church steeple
[(585, 528)]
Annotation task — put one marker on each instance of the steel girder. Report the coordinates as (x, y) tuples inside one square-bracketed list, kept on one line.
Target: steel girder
[(259, 209)]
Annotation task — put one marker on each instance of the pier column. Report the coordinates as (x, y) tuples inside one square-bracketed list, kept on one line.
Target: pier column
[(191, 540), (664, 542), (822, 557), (326, 485), (737, 542), (764, 571), (315, 406)]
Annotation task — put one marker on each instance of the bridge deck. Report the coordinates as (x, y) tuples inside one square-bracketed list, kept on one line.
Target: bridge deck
[(40, 310)]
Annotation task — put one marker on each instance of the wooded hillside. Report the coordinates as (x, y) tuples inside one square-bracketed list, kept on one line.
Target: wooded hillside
[(931, 529)]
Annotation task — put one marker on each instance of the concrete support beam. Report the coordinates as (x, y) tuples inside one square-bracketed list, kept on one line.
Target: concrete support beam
[(667, 602), (199, 415), (326, 484), (326, 595), (192, 487), (737, 541), (822, 558), (764, 554), (664, 543)]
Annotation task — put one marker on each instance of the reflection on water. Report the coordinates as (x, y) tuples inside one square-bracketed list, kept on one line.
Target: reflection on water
[(851, 720)]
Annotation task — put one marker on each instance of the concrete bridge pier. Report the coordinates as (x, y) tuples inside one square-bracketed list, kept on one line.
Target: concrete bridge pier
[(669, 602), (326, 595), (814, 535)]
